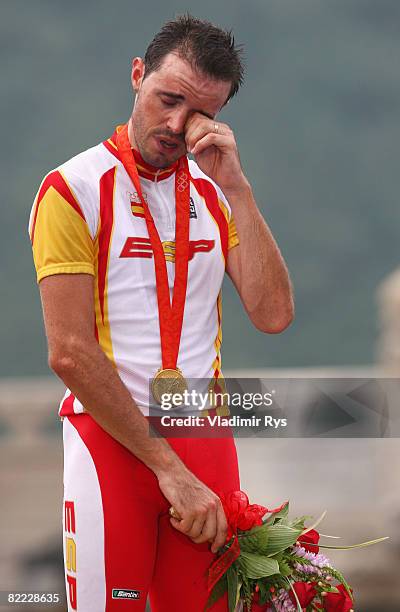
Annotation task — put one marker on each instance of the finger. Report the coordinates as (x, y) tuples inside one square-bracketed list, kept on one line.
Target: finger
[(209, 528), (197, 528), (201, 128), (195, 120), (216, 140), (172, 512), (222, 529), (184, 525), (196, 131)]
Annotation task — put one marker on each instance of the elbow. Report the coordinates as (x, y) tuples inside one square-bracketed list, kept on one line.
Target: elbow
[(275, 323), (277, 327), (61, 364), (63, 357)]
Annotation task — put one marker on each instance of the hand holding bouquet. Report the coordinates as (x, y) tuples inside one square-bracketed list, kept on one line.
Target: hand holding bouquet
[(275, 564)]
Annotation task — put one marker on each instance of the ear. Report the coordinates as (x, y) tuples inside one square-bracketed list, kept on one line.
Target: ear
[(137, 73)]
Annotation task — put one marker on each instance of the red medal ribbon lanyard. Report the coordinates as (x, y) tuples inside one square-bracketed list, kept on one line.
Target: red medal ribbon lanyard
[(170, 316)]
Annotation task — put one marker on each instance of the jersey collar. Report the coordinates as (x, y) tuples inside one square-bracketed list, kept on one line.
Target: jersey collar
[(145, 170)]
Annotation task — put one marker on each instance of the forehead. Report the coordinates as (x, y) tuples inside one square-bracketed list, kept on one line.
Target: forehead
[(202, 92)]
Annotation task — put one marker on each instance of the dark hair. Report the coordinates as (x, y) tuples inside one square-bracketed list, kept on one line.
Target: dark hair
[(206, 47)]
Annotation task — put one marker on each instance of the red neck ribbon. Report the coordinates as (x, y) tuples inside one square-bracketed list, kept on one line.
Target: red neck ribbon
[(170, 315)]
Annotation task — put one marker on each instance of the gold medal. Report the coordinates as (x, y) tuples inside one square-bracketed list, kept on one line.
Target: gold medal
[(168, 380)]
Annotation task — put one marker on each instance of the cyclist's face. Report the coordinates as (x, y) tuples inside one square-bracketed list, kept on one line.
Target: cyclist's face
[(165, 100)]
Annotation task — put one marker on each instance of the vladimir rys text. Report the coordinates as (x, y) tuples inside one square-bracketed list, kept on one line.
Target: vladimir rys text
[(221, 421)]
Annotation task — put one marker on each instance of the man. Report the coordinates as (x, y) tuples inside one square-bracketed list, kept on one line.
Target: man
[(116, 232)]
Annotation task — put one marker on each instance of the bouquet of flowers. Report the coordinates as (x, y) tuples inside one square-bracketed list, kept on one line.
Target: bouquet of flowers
[(275, 564)]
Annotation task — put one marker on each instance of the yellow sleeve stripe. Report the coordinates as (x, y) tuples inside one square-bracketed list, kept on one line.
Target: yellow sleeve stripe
[(233, 238), (224, 209)]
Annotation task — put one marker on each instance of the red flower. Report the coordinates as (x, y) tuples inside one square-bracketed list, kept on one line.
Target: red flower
[(251, 517), (240, 514), (338, 602), (305, 592), (310, 540), (256, 606)]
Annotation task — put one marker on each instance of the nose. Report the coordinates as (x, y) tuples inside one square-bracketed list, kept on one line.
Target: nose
[(176, 122)]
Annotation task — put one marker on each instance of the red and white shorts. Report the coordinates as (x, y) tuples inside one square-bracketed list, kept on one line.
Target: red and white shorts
[(119, 545)]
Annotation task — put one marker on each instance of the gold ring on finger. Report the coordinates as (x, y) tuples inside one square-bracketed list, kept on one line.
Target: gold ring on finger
[(216, 128), (174, 514)]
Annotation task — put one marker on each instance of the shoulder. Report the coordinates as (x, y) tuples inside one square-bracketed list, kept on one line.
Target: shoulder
[(77, 182), (86, 168)]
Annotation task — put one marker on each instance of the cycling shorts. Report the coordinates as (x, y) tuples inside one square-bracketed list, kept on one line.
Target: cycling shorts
[(119, 544)]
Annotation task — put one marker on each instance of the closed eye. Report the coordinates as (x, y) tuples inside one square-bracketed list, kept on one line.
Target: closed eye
[(168, 102)]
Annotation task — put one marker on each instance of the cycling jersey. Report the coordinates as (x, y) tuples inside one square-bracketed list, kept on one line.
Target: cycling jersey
[(87, 218)]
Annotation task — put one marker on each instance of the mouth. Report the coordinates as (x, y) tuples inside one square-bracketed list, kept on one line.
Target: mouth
[(166, 144)]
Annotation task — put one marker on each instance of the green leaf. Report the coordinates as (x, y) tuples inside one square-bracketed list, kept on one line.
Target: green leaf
[(298, 523), (264, 591), (232, 579), (282, 514), (280, 538), (257, 566), (256, 541), (340, 578), (218, 590), (239, 586), (269, 521), (285, 568), (330, 588), (247, 591), (361, 545)]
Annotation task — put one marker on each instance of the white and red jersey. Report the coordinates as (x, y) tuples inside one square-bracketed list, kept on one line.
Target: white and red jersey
[(87, 218)]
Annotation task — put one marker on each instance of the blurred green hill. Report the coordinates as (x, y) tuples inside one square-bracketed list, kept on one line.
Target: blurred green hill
[(318, 127)]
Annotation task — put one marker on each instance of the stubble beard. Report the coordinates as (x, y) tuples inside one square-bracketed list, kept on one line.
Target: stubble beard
[(140, 144), (139, 131)]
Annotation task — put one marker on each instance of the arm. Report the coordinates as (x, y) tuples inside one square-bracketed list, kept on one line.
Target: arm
[(257, 269), (255, 266), (76, 357)]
